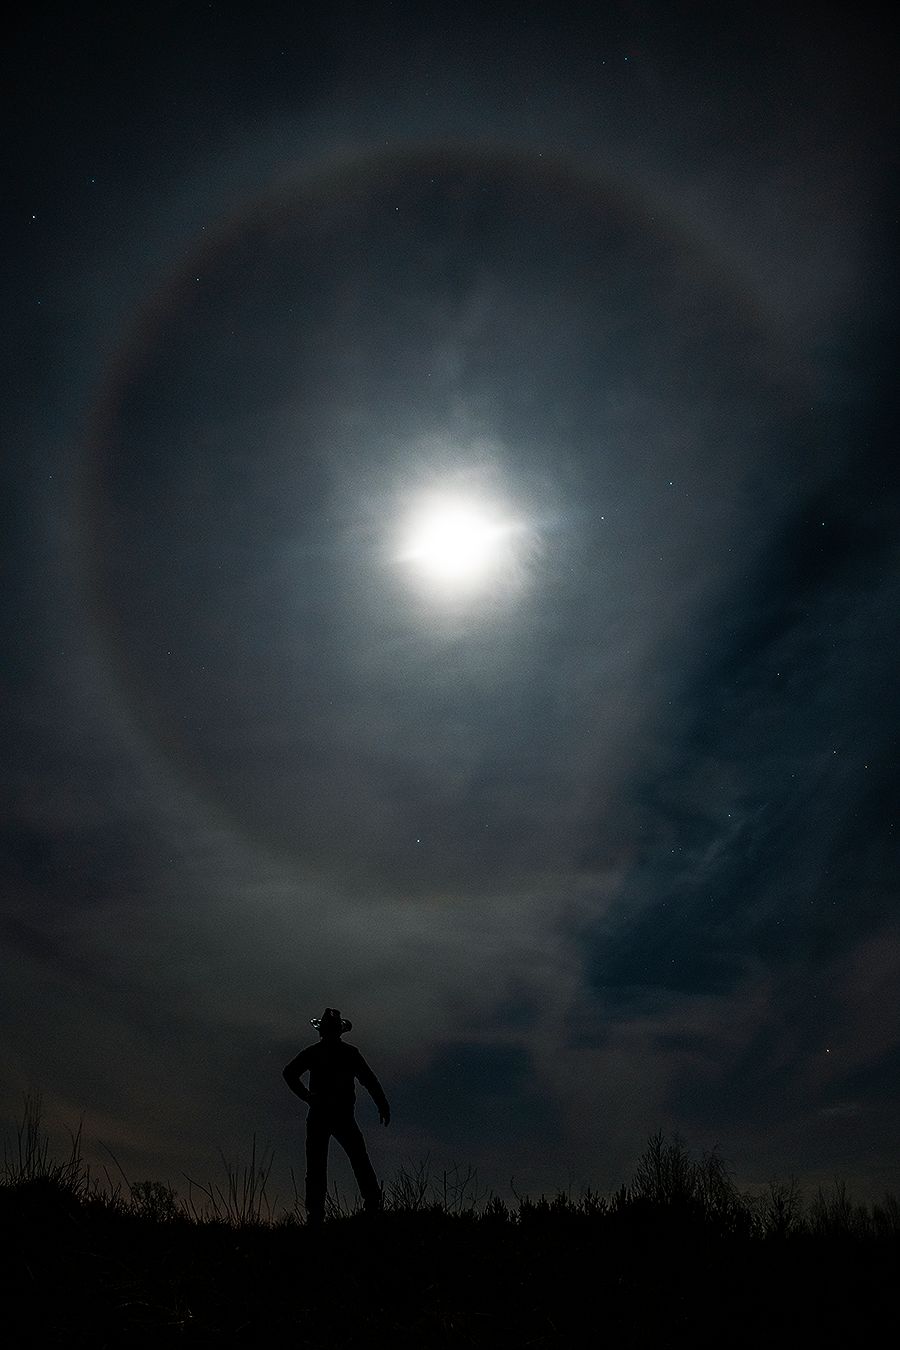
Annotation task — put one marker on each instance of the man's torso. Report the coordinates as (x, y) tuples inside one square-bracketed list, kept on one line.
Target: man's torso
[(332, 1070)]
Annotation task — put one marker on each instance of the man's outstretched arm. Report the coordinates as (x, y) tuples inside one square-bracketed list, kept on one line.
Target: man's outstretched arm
[(372, 1086), (293, 1076)]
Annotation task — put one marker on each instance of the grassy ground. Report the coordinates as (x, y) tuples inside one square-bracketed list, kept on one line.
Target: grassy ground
[(677, 1258)]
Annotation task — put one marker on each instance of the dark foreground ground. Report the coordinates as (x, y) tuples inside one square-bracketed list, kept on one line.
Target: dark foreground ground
[(81, 1273)]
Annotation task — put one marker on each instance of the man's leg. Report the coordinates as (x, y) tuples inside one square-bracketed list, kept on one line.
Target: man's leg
[(349, 1136), (317, 1136)]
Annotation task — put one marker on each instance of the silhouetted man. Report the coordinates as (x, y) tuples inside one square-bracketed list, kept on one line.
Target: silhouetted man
[(331, 1095)]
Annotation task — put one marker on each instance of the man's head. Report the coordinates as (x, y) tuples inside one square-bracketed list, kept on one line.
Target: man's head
[(331, 1023)]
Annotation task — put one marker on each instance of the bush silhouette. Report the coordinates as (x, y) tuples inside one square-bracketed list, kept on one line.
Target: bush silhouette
[(676, 1256)]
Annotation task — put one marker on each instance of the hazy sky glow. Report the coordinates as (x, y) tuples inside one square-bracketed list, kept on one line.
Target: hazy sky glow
[(451, 575)]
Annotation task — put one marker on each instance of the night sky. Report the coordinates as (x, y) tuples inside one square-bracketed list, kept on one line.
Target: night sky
[(590, 832)]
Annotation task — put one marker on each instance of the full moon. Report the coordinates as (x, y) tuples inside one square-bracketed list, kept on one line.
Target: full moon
[(457, 544)]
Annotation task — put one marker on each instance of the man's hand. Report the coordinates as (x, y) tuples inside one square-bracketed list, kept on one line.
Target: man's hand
[(384, 1115)]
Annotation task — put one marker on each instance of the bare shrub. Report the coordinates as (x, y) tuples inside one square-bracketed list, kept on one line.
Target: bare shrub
[(155, 1201), (834, 1213), (28, 1160), (664, 1174), (780, 1208), (243, 1200), (411, 1189), (886, 1217), (460, 1193), (668, 1178)]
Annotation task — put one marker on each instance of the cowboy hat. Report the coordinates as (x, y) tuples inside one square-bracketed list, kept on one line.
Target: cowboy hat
[(331, 1020)]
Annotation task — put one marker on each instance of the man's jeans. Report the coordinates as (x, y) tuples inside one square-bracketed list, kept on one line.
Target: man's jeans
[(321, 1124)]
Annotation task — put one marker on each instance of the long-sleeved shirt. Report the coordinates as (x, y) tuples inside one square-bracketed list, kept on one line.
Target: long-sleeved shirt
[(333, 1065)]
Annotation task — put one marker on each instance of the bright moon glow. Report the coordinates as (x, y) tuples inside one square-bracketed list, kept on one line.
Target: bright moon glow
[(457, 544)]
